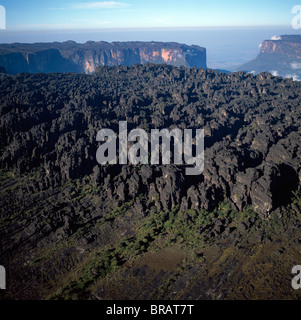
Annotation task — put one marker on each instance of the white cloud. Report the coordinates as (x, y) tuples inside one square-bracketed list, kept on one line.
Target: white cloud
[(296, 65), (100, 5), (276, 38), (294, 76), (260, 45), (85, 24), (275, 73), (44, 26), (94, 5)]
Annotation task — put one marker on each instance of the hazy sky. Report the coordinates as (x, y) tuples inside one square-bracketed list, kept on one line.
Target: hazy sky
[(74, 14)]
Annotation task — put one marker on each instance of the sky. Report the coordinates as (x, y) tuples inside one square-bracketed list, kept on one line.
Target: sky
[(73, 14), (230, 30)]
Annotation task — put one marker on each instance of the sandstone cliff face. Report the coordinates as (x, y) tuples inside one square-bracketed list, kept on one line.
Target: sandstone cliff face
[(289, 46), (280, 57), (49, 60), (73, 57)]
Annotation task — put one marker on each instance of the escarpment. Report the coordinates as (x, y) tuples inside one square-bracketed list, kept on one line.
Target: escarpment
[(70, 56)]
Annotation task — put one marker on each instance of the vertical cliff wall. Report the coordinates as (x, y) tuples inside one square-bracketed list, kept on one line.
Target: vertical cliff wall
[(73, 57), (280, 56)]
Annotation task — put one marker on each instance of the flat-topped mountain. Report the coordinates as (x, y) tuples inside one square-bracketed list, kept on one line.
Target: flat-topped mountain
[(70, 56), (281, 56), (287, 45)]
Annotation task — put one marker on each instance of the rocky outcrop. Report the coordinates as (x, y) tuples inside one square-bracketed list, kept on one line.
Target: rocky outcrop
[(280, 56), (252, 139), (74, 57), (62, 214)]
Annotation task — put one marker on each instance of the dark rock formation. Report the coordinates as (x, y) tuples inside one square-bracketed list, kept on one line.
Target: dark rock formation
[(252, 139), (70, 56), (58, 204)]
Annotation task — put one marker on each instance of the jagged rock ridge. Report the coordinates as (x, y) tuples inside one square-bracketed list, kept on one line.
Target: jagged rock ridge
[(251, 149)]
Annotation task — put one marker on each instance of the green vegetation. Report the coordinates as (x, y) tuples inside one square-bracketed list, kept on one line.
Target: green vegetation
[(192, 232), (156, 231)]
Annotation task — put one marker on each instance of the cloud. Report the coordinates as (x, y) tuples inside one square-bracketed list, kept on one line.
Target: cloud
[(276, 38), (275, 73), (45, 26), (294, 76), (260, 45), (87, 24), (296, 65), (100, 5), (96, 5)]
